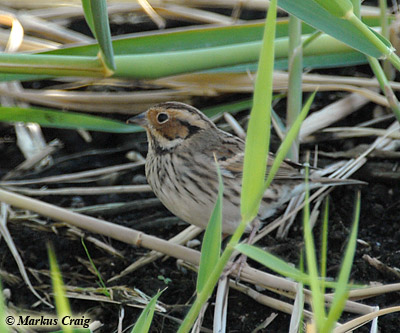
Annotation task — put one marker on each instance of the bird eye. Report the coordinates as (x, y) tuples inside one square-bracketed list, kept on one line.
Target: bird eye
[(162, 117)]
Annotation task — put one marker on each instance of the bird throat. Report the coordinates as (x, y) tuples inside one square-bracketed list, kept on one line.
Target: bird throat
[(162, 146)]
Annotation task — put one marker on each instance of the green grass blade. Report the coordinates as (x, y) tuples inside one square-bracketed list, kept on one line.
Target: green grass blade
[(294, 99), (286, 143), (258, 131), (67, 120), (62, 304), (103, 34), (324, 243), (146, 317), (211, 247), (317, 296), (225, 256), (3, 326), (341, 290), (269, 260), (101, 282), (233, 107), (385, 86), (278, 265), (45, 64), (87, 10)]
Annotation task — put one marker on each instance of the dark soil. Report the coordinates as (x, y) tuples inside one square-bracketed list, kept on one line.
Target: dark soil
[(379, 233), (379, 229)]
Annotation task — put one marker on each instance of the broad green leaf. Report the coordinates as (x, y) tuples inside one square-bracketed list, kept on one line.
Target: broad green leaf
[(67, 120), (329, 60), (179, 39), (350, 29), (85, 62), (62, 304), (192, 38), (326, 57), (157, 65), (213, 47), (339, 8), (211, 247), (146, 317), (258, 131)]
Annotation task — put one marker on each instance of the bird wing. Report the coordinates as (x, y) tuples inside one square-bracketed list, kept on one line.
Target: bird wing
[(230, 156)]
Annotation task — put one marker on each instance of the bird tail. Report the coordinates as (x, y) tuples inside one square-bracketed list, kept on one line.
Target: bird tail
[(325, 181)]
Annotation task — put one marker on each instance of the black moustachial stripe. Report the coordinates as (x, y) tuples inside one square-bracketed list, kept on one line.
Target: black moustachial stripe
[(159, 149), (191, 128)]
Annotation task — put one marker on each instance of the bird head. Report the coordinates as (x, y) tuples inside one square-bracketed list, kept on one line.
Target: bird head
[(171, 123)]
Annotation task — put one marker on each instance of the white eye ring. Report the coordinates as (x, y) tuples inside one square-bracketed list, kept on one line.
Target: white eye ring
[(162, 117)]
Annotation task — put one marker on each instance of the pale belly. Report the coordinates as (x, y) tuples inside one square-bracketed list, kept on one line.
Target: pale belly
[(190, 203)]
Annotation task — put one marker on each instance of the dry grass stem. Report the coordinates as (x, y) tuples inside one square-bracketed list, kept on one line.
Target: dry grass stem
[(195, 15), (217, 83), (40, 28), (119, 207), (221, 304), (356, 132), (35, 159), (13, 249), (120, 102), (98, 243), (182, 238), (54, 32), (380, 266), (197, 328), (330, 114), (344, 172), (133, 237), (298, 310), (360, 321), (74, 176), (266, 300), (9, 278), (119, 295), (29, 44), (239, 131), (369, 292), (99, 190), (154, 16)]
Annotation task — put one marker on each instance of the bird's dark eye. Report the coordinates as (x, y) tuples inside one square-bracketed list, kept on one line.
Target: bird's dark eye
[(162, 117)]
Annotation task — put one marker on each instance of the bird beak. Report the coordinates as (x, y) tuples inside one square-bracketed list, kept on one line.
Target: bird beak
[(140, 120)]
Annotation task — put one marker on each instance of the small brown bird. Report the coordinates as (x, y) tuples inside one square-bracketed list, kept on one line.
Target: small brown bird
[(181, 169)]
